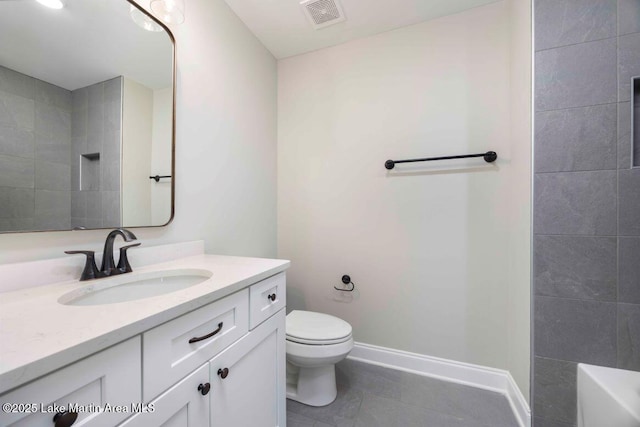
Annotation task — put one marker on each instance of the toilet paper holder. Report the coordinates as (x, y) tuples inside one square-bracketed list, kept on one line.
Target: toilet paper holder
[(346, 279)]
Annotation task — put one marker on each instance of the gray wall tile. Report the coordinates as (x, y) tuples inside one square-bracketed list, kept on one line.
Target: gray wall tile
[(113, 90), (94, 204), (576, 139), (111, 209), (54, 204), (16, 141), (17, 202), (52, 125), (80, 99), (554, 388), (17, 172), (54, 153), (564, 22), (52, 176), (575, 330), (47, 93), (624, 135), (78, 204), (17, 224), (49, 222), (629, 336), (543, 422), (628, 64), (575, 203), (629, 202), (575, 267), (16, 111), (628, 16), (17, 83), (576, 76), (629, 270)]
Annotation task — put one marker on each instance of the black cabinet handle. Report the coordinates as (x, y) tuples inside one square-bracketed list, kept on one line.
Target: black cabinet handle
[(65, 419), (272, 297), (196, 339), (223, 373), (204, 388)]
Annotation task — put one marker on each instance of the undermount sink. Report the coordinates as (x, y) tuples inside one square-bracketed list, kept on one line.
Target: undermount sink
[(608, 397), (134, 286)]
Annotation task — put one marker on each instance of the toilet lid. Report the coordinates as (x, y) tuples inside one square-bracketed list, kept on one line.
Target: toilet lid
[(311, 327)]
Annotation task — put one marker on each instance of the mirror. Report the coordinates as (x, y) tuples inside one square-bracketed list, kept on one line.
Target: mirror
[(86, 116)]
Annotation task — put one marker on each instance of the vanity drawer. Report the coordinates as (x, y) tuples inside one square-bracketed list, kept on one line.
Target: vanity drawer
[(112, 376), (266, 298), (168, 356)]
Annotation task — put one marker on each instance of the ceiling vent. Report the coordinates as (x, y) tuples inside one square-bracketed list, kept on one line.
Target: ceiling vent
[(322, 13)]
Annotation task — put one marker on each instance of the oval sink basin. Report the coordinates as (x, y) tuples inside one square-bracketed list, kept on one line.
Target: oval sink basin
[(134, 286)]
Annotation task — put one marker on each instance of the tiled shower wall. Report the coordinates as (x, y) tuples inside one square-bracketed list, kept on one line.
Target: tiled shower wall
[(45, 181), (96, 129), (35, 143), (586, 200)]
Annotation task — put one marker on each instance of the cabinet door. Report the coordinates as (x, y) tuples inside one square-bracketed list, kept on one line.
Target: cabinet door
[(168, 353), (100, 389), (183, 405), (253, 392)]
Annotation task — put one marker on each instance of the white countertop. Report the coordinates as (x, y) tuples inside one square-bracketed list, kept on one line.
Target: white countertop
[(39, 335)]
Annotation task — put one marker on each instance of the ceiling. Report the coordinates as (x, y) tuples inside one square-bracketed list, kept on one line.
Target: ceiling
[(86, 42), (283, 28)]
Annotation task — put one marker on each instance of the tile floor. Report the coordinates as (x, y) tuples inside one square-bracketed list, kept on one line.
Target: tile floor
[(372, 396)]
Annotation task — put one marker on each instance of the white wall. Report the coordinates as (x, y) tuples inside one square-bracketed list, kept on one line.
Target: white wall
[(137, 117), (161, 156), (427, 245), (225, 150), (519, 176)]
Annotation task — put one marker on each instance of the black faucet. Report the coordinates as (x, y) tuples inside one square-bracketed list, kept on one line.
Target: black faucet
[(108, 268)]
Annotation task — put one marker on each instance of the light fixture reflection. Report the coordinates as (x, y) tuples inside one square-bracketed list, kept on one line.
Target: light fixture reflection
[(143, 20), (53, 4), (169, 11)]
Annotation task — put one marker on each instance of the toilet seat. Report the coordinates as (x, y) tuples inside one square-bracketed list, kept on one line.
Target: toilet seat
[(311, 328)]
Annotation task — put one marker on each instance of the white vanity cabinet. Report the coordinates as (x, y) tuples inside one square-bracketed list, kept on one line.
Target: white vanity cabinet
[(219, 365), (248, 379), (111, 376)]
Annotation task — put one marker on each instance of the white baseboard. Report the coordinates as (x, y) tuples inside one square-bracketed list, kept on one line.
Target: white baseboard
[(496, 380)]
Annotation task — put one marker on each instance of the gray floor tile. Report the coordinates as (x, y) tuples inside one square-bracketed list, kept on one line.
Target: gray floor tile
[(464, 402), (415, 401), (369, 378)]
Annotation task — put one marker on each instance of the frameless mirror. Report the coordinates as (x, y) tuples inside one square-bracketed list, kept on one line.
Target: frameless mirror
[(86, 116)]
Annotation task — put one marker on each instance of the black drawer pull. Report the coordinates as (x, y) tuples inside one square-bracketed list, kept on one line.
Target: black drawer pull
[(65, 419), (204, 388), (223, 373), (272, 297), (196, 339)]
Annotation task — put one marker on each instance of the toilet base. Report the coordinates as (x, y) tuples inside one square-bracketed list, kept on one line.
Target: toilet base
[(312, 386)]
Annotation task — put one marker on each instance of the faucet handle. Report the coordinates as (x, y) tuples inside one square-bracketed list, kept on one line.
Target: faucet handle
[(90, 270), (123, 262)]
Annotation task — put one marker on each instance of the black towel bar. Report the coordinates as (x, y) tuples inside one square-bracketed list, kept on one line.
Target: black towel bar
[(489, 157)]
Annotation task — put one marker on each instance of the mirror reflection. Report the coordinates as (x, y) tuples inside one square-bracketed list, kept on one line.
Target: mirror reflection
[(86, 116)]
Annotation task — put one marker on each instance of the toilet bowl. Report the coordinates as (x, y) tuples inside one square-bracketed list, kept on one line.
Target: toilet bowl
[(315, 343)]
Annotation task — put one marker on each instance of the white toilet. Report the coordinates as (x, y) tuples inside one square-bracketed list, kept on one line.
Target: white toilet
[(315, 343)]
